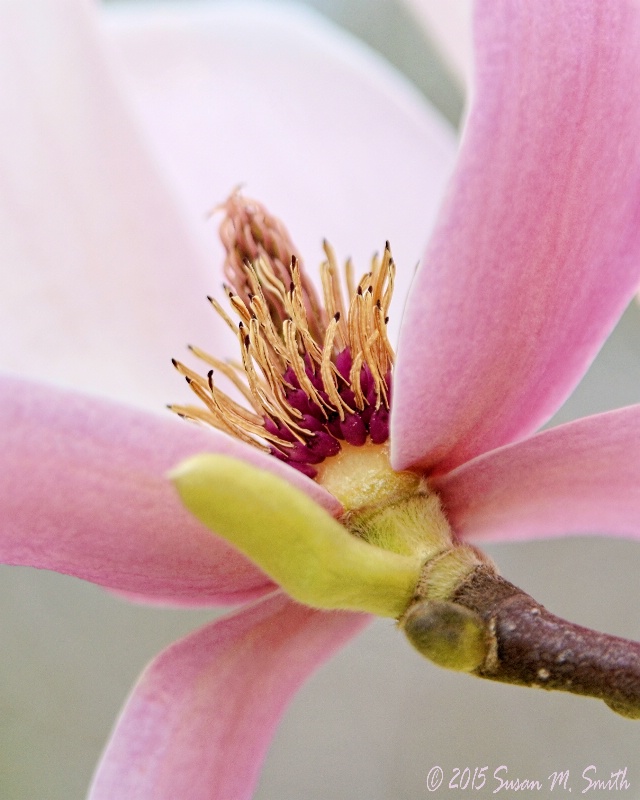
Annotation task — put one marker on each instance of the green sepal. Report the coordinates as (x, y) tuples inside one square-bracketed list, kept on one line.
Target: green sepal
[(292, 539)]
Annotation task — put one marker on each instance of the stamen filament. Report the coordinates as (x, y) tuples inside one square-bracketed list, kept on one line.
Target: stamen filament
[(313, 375)]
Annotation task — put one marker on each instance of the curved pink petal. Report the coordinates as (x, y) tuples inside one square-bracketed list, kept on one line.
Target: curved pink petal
[(583, 477), (204, 712), (83, 490), (310, 121), (537, 250), (104, 279)]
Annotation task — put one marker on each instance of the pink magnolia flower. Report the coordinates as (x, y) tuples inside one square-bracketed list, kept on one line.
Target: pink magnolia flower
[(533, 259)]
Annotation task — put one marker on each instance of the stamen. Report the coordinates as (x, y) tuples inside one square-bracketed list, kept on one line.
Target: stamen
[(229, 370), (315, 377)]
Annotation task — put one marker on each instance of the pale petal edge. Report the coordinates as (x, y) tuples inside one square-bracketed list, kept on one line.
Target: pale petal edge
[(311, 173), (104, 274)]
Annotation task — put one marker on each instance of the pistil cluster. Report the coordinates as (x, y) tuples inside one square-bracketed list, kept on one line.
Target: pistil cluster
[(313, 375)]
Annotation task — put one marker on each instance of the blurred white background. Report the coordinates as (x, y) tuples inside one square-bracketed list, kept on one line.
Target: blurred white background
[(372, 722)]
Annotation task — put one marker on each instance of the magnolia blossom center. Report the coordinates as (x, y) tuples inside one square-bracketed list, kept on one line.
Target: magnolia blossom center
[(314, 378), (313, 384)]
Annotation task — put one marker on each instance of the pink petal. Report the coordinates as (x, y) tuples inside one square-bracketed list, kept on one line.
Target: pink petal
[(199, 722), (537, 250), (309, 120), (583, 477), (83, 491), (104, 279)]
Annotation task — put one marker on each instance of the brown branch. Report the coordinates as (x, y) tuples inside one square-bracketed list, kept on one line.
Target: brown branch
[(522, 643)]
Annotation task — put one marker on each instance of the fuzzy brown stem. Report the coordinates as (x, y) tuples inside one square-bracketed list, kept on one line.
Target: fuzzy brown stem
[(531, 647)]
